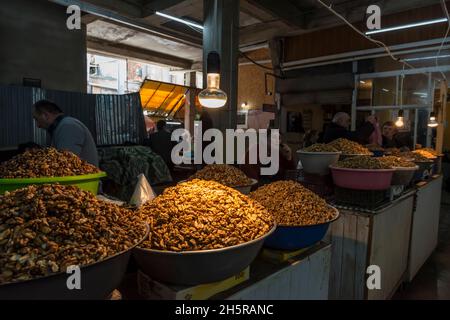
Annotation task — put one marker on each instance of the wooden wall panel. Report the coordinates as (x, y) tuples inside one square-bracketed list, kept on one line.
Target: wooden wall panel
[(342, 38)]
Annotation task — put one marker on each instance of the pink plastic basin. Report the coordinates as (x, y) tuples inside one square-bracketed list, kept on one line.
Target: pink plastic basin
[(362, 179)]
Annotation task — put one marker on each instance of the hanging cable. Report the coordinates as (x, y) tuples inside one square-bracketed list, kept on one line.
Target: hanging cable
[(253, 61), (378, 43)]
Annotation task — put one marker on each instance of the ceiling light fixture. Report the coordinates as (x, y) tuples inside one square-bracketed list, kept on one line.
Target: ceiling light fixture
[(432, 123), (399, 123), (212, 96), (427, 58), (408, 26), (189, 23)]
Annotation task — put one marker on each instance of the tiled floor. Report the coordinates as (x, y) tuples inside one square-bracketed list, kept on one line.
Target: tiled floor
[(433, 280)]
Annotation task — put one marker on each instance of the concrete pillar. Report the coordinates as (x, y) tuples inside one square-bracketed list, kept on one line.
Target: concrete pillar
[(189, 106), (221, 34)]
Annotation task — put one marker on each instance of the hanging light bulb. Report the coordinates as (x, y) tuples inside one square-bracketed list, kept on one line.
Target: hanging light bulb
[(432, 123), (399, 123), (212, 96)]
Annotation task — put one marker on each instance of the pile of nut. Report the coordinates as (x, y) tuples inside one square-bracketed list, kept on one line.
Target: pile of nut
[(46, 228), (47, 162), (225, 174), (397, 162), (415, 156), (291, 204), (201, 215), (392, 151), (427, 153), (362, 162), (349, 147), (320, 147)]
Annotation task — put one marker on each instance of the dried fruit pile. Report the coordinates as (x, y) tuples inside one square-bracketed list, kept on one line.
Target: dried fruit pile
[(349, 147), (44, 229), (225, 174), (362, 162), (47, 162), (291, 204), (320, 147), (397, 162), (374, 147), (427, 153), (201, 215)]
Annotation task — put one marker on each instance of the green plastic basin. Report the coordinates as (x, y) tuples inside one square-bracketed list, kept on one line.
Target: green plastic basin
[(88, 182)]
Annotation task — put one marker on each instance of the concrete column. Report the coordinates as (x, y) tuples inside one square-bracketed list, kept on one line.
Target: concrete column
[(221, 34), (189, 106)]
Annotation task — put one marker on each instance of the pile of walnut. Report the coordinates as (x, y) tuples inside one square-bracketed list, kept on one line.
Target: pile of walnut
[(44, 229), (320, 147), (291, 204), (47, 162), (201, 215), (362, 162), (225, 174), (397, 162), (349, 147)]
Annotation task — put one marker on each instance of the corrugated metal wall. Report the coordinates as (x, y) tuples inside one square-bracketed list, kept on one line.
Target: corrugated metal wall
[(112, 119)]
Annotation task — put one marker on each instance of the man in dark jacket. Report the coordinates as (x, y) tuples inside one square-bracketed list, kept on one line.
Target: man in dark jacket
[(338, 128), (160, 142)]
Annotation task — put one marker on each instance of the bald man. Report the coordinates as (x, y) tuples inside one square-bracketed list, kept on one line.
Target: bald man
[(338, 128)]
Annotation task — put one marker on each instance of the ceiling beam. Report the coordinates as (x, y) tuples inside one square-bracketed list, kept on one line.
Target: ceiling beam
[(286, 11), (118, 49), (113, 17), (118, 6), (158, 5), (87, 18)]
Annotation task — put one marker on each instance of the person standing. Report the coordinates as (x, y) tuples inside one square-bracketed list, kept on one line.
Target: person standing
[(66, 133), (161, 143), (338, 128)]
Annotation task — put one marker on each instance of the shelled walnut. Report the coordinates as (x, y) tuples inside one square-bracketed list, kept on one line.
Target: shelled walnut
[(201, 215), (320, 147), (362, 162), (47, 162), (397, 162), (291, 204), (349, 147), (225, 174), (46, 228)]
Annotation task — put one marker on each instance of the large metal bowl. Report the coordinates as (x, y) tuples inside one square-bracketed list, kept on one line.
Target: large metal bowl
[(403, 175), (298, 237), (317, 162), (197, 267), (98, 280), (246, 189)]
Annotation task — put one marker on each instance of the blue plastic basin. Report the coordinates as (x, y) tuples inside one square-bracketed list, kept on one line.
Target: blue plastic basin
[(294, 238)]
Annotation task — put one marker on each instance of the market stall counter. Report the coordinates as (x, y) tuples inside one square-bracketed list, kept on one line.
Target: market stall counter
[(425, 223), (370, 237)]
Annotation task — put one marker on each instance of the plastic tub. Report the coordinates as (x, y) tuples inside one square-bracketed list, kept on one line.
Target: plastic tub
[(362, 179), (298, 237), (317, 162), (88, 182), (197, 267)]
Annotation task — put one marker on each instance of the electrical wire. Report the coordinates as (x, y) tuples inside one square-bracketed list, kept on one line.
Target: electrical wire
[(378, 43), (253, 61), (444, 8)]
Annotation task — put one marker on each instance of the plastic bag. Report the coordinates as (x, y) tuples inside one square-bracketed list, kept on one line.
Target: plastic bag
[(143, 192)]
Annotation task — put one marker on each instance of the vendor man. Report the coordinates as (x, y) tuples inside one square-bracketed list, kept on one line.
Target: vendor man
[(66, 133), (393, 139), (338, 128)]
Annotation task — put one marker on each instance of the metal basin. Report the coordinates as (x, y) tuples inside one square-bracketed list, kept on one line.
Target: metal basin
[(197, 267), (98, 280), (298, 237), (246, 189), (317, 162), (403, 176)]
